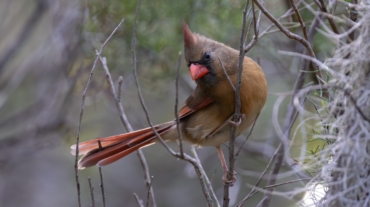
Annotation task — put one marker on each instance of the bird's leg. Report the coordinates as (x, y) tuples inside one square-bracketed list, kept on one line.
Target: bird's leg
[(224, 167), (228, 121)]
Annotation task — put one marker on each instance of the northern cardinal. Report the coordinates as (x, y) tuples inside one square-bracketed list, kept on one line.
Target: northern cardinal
[(205, 117)]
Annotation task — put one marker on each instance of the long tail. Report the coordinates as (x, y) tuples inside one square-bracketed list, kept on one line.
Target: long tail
[(116, 147)]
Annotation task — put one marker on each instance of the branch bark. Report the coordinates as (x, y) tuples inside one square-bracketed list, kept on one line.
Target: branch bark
[(178, 155), (226, 198), (82, 111)]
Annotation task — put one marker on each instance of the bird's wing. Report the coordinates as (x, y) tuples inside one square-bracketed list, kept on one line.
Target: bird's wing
[(197, 100)]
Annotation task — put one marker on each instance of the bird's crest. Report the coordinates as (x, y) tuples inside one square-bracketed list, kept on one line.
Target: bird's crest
[(189, 39)]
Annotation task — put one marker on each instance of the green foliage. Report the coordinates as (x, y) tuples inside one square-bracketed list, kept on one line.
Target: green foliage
[(159, 31)]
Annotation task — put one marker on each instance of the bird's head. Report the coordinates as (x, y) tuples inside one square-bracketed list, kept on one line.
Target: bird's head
[(201, 56)]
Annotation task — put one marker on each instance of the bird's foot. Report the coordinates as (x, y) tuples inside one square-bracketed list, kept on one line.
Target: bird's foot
[(227, 182), (242, 120)]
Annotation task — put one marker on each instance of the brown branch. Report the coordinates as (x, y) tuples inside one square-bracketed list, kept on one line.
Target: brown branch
[(249, 27), (250, 133), (289, 121), (256, 30), (148, 194), (254, 191), (289, 34), (91, 192), (241, 203), (353, 17), (176, 106), (227, 76), (126, 123), (209, 183), (101, 177), (330, 19), (230, 173), (291, 109), (139, 202), (300, 19), (82, 111), (178, 155)]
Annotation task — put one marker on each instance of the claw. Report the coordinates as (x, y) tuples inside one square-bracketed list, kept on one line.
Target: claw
[(227, 182), (242, 120)]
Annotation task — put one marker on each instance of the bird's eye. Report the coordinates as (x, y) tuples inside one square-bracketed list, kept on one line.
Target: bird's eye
[(207, 56)]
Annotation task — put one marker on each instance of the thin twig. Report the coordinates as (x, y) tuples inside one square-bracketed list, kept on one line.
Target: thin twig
[(257, 190), (178, 155), (227, 76), (353, 17), (148, 194), (126, 123), (120, 81), (209, 183), (82, 111), (139, 202), (176, 105), (91, 192), (101, 177), (230, 173), (289, 121), (250, 133), (300, 19), (256, 30), (286, 31), (330, 19), (241, 203), (249, 26)]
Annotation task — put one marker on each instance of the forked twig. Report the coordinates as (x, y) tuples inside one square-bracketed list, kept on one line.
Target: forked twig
[(126, 123), (91, 192), (209, 182), (226, 198), (138, 200), (178, 155), (227, 76), (250, 133), (82, 111), (148, 194), (176, 106)]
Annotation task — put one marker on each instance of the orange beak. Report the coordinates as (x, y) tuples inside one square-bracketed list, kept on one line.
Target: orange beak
[(198, 71)]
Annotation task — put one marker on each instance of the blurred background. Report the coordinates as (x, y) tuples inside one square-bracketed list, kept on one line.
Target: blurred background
[(47, 49)]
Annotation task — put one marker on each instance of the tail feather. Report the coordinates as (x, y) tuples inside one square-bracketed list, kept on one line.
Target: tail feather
[(116, 147)]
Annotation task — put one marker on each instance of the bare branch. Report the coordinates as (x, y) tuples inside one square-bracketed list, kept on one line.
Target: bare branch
[(139, 202), (148, 194), (286, 31), (226, 198), (91, 192), (126, 123), (178, 155), (101, 177), (300, 19), (176, 105), (241, 203), (250, 133), (330, 19), (256, 30), (82, 111), (209, 183), (227, 76), (120, 81), (289, 121)]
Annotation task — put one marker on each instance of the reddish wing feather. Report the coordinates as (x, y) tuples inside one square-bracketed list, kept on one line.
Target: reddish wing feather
[(185, 110)]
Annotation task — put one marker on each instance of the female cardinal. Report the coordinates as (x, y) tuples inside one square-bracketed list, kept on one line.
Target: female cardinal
[(205, 117)]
